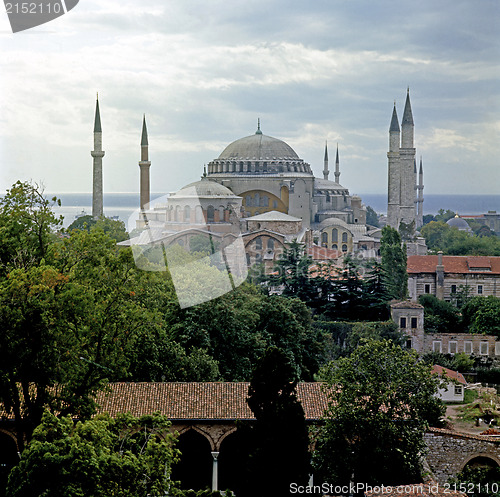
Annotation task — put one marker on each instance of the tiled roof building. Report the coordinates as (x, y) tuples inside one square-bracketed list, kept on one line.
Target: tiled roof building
[(444, 275)]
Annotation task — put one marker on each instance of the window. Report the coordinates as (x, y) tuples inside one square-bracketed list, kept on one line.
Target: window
[(452, 348), (453, 288), (427, 288), (210, 214), (187, 214), (483, 348), (258, 243), (344, 248), (270, 244), (458, 389), (468, 347), (324, 239), (402, 322), (479, 289), (344, 237), (414, 322), (436, 346), (335, 235), (334, 246)]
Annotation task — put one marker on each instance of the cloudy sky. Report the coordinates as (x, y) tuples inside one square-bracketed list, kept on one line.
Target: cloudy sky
[(203, 72)]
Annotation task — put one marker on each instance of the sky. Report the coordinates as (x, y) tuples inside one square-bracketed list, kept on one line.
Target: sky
[(204, 72)]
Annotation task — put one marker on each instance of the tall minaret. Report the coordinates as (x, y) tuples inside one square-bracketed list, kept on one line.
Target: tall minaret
[(144, 165), (394, 173), (326, 172), (407, 165), (97, 154), (420, 196), (337, 167)]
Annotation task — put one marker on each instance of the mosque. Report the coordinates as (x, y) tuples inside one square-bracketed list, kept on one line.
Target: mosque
[(260, 188)]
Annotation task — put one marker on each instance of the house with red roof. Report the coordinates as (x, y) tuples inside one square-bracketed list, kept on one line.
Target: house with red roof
[(444, 275), (454, 384)]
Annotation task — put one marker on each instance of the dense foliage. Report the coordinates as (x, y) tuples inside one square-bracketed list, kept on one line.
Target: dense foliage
[(125, 456), (381, 400), (279, 440), (394, 275), (440, 236)]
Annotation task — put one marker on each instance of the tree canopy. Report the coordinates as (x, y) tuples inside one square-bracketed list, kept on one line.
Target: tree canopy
[(279, 453), (394, 275), (125, 456), (381, 400)]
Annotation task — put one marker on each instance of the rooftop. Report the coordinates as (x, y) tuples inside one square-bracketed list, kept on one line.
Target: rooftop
[(454, 264)]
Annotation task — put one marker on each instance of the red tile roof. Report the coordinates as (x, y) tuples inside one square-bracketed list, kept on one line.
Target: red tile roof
[(453, 375), (196, 401), (454, 264)]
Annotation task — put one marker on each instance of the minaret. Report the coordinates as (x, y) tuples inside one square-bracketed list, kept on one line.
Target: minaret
[(144, 165), (407, 158), (97, 154), (394, 173), (337, 167), (420, 196), (326, 172)]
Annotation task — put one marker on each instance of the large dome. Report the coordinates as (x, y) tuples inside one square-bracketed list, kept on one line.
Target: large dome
[(258, 147), (258, 154)]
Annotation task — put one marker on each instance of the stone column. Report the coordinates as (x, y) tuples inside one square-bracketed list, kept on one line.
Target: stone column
[(215, 472)]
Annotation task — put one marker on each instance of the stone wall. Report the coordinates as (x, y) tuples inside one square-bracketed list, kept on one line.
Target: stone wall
[(449, 452)]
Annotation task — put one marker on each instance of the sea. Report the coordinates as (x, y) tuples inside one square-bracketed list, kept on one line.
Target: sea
[(122, 205)]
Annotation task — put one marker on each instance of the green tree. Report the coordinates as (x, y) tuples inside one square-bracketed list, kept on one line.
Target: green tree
[(444, 215), (67, 328), (293, 274), (394, 275), (433, 233), (482, 315), (439, 316), (279, 452), (381, 400), (372, 217), (125, 456), (26, 222), (479, 481)]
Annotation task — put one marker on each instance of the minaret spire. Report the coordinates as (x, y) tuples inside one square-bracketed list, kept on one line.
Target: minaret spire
[(420, 196), (144, 165), (337, 166), (97, 154), (326, 172), (258, 132)]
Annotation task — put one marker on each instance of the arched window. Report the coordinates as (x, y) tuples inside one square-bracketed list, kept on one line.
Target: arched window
[(210, 214), (177, 213), (198, 214), (221, 214), (258, 243), (334, 246), (344, 237), (335, 235), (324, 239), (270, 244), (249, 201), (257, 200), (187, 214), (344, 248)]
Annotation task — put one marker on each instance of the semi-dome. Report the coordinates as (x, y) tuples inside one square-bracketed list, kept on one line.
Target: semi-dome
[(205, 188), (258, 147)]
